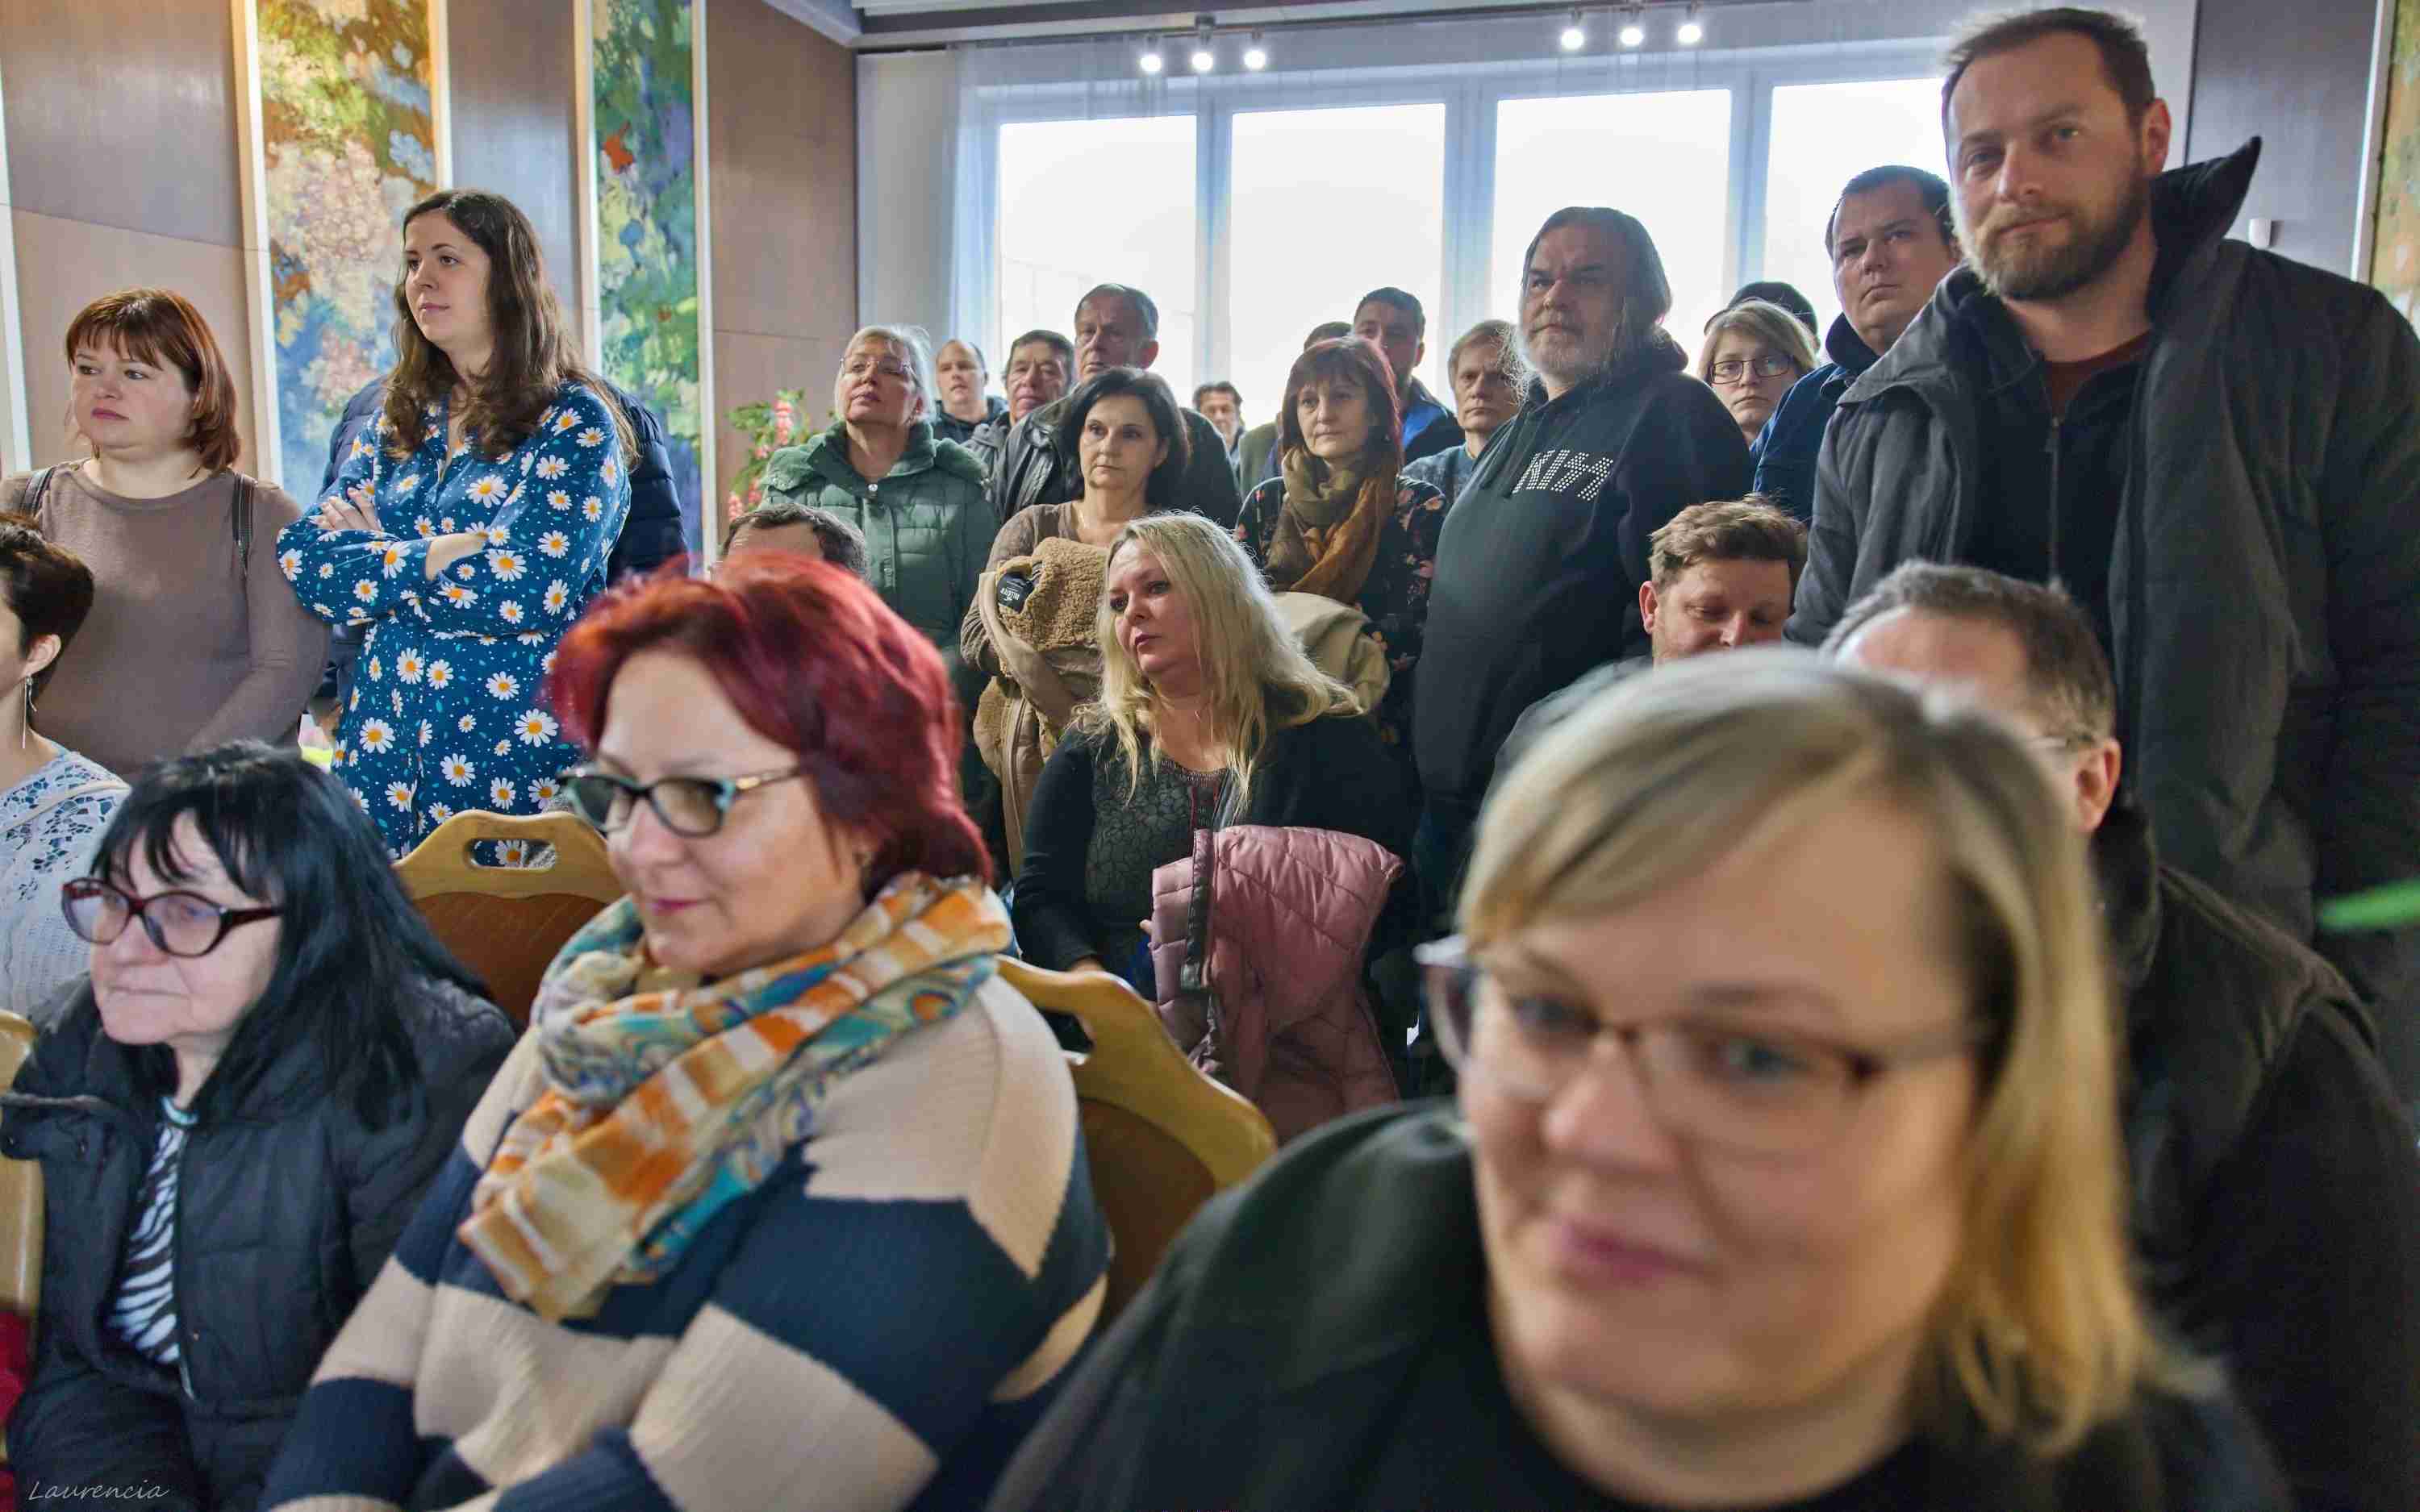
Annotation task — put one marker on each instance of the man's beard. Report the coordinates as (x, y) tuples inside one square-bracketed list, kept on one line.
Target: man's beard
[(2055, 273), (1576, 364)]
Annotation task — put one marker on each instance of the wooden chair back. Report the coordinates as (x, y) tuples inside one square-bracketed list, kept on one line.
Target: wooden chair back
[(20, 1194), (507, 922), (1160, 1137)]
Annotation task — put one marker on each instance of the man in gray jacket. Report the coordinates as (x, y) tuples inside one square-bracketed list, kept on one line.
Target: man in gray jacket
[(2214, 449)]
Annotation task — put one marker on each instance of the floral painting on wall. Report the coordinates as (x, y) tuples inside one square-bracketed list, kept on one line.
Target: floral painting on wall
[(2394, 254), (645, 110), (347, 143)]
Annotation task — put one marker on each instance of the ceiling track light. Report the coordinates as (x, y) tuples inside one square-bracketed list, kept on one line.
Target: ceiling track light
[(1575, 35), (1150, 61), (1204, 58), (1256, 56), (1693, 28), (1633, 27)]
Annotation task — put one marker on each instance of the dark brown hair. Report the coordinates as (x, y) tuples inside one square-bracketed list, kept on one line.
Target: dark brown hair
[(534, 356), (1165, 487), (47, 587), (2124, 56), (160, 327), (1349, 359)]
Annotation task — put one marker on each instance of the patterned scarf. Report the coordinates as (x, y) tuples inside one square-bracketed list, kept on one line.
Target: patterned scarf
[(1328, 533), (665, 1105)]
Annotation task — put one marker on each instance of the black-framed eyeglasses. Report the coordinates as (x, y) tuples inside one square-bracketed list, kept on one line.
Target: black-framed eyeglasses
[(179, 924), (1732, 369), (692, 808), (1752, 1088)]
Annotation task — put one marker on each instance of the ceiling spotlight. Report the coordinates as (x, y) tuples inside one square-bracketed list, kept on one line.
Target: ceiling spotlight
[(1205, 60), (1574, 36), (1693, 31), (1633, 31), (1256, 56), (1151, 62)]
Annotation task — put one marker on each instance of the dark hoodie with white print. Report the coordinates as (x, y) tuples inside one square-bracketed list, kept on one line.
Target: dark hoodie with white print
[(1539, 565)]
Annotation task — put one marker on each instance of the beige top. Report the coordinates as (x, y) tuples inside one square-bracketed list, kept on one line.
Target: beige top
[(179, 654)]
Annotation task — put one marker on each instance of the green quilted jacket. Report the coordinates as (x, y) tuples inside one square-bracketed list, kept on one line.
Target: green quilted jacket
[(927, 525)]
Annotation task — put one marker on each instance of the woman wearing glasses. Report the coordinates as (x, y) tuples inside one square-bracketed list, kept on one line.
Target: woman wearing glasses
[(780, 1202), (916, 498), (1754, 352), (234, 1119), (1785, 1174)]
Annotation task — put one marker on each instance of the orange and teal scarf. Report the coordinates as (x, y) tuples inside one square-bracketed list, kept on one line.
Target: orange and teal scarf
[(662, 1107)]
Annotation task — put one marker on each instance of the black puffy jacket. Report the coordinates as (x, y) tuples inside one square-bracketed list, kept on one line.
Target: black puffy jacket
[(286, 1207)]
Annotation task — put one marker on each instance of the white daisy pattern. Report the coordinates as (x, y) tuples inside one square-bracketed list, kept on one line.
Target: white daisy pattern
[(468, 647)]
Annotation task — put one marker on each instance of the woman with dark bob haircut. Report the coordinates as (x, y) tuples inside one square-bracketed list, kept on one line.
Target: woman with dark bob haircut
[(235, 1118), (783, 1177), (1341, 521), (194, 639), (1129, 442)]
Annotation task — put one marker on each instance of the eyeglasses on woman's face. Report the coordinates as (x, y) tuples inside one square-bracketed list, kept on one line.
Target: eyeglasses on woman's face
[(1728, 1084), (692, 808), (1736, 369), (179, 924)]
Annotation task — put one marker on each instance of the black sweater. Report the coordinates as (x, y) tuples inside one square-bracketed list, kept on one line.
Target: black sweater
[(1539, 566), (1330, 774)]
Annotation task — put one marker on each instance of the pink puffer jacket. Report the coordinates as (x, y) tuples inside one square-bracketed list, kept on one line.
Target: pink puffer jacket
[(1260, 936)]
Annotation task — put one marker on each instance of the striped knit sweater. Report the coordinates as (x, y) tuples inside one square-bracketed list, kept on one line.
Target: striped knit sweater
[(875, 1327)]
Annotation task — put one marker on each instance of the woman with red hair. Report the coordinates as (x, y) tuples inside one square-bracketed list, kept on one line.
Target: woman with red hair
[(1341, 521), (781, 1198)]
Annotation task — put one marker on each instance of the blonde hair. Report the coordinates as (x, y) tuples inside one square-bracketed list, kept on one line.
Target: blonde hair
[(2040, 1334), (1257, 677), (1767, 322)]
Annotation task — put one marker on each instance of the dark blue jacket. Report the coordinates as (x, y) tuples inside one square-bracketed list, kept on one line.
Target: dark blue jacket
[(1785, 454), (652, 534)]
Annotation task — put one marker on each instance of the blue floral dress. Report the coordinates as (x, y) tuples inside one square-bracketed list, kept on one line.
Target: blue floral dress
[(447, 710)]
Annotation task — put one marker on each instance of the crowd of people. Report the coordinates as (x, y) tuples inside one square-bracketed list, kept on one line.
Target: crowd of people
[(1827, 856)]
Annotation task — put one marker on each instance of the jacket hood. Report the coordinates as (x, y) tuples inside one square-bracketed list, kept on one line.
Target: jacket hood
[(1845, 347), (825, 455), (2191, 209), (2126, 865)]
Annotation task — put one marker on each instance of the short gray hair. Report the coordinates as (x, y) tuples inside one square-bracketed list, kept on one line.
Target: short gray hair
[(842, 543), (2065, 670), (915, 349), (1137, 301)]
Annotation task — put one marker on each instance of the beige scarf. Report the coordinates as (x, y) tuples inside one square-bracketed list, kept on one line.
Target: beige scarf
[(1328, 533)]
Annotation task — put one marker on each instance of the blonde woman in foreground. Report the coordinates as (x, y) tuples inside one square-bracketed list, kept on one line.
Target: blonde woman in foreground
[(1785, 1174)]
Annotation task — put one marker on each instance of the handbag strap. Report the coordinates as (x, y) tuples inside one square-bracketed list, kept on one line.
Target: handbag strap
[(240, 523), (39, 489)]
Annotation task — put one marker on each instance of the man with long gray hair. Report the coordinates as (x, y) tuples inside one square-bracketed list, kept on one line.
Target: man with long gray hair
[(1539, 565)]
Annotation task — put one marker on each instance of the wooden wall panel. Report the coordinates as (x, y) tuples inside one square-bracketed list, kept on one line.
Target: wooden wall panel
[(515, 130), (782, 119), (121, 112)]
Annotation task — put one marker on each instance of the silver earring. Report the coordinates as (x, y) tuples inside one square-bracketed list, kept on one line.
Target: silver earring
[(25, 731)]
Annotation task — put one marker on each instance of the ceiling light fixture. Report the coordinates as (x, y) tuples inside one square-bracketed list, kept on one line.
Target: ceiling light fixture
[(1204, 58), (1633, 30), (1574, 36), (1151, 61), (1256, 56), (1693, 30)]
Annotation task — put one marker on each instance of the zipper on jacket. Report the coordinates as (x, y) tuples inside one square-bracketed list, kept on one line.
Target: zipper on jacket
[(2055, 503)]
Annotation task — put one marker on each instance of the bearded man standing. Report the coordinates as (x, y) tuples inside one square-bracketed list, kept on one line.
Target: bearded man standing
[(2214, 449)]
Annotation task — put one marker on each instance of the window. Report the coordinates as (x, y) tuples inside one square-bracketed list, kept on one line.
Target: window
[(1090, 201), (1664, 158), (1823, 135), (1327, 204)]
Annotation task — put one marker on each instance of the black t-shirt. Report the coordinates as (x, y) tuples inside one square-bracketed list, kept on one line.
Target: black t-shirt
[(1456, 1400)]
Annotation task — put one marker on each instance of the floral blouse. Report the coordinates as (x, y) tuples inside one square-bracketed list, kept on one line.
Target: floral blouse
[(1395, 596), (448, 710), (49, 828)]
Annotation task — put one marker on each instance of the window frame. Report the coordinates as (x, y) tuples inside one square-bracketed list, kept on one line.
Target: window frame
[(1470, 93)]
